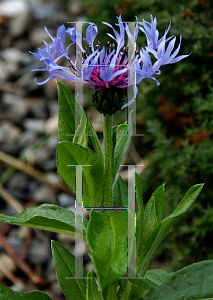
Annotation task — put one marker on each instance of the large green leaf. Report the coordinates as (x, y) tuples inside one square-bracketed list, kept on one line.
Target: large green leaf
[(157, 276), (92, 291), (7, 294), (119, 193), (73, 154), (107, 240), (67, 124), (167, 223), (194, 282), (48, 217), (64, 263)]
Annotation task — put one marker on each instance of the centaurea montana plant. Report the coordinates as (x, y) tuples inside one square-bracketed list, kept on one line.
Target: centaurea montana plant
[(121, 267)]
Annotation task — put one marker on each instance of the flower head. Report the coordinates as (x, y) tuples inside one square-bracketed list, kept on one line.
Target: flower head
[(110, 67)]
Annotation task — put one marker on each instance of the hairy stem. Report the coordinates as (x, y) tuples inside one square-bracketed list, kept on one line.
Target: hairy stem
[(108, 160)]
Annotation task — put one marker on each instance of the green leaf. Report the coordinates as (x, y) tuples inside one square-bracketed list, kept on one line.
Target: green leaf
[(64, 263), (189, 198), (73, 154), (92, 291), (194, 282), (144, 247), (67, 124), (150, 221), (158, 195), (167, 223), (7, 294), (139, 191), (82, 131), (66, 113), (85, 133), (121, 142), (157, 276), (131, 289), (107, 240), (119, 193), (148, 226), (48, 217), (139, 211), (94, 140), (110, 292)]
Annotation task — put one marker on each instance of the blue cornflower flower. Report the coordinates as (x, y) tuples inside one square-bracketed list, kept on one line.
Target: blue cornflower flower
[(110, 69)]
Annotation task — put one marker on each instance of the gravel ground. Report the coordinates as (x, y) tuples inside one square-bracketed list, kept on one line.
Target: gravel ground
[(28, 140), (28, 136)]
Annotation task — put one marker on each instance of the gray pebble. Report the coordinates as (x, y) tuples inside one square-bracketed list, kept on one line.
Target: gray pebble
[(18, 181), (49, 165), (9, 132), (65, 200), (38, 108), (38, 253), (14, 55), (42, 155), (36, 125), (17, 288), (53, 106), (8, 70), (42, 11), (16, 107), (45, 194), (37, 35), (56, 289), (75, 7), (13, 8), (27, 138)]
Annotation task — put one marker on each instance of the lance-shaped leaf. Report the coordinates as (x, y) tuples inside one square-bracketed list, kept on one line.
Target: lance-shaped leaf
[(167, 223), (158, 196), (67, 122), (194, 282), (107, 240), (49, 217), (66, 113), (148, 221), (121, 140), (119, 193), (69, 154), (92, 292), (7, 294), (65, 263), (132, 289), (82, 131), (148, 230), (139, 211)]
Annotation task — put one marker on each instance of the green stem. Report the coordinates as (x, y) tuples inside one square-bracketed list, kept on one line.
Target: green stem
[(108, 160)]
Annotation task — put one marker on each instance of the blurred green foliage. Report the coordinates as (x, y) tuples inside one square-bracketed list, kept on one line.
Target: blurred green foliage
[(176, 117)]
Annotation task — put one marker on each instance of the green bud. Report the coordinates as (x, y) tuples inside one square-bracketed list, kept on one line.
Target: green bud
[(109, 101)]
